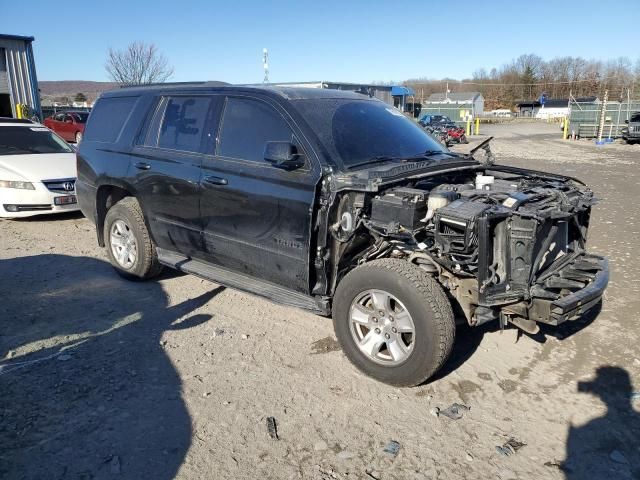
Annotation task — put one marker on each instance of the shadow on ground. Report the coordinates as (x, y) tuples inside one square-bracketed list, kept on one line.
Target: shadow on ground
[(76, 214), (87, 388), (607, 447)]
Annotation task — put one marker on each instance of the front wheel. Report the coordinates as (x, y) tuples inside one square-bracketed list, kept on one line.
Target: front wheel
[(393, 321), (129, 245)]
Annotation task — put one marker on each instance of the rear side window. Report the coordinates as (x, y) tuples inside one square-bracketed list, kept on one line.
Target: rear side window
[(183, 123), (247, 125), (108, 117)]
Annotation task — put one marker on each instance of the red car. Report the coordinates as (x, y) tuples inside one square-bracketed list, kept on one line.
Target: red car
[(69, 125)]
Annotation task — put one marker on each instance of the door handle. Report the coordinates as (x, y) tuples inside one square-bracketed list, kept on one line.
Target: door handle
[(215, 180), (142, 166)]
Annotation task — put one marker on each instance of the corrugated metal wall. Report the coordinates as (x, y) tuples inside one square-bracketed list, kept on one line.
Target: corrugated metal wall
[(4, 81), (584, 118), (21, 74)]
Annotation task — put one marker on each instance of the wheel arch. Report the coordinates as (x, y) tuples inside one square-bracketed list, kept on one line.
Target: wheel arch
[(107, 196)]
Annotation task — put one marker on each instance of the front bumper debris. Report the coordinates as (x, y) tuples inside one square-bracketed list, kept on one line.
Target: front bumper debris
[(578, 286)]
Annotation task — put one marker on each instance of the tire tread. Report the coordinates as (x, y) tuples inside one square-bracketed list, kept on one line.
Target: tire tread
[(150, 267), (434, 295)]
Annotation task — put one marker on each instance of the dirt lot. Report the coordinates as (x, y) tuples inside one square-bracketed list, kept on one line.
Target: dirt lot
[(104, 378)]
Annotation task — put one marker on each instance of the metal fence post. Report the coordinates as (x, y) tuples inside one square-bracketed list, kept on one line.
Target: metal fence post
[(602, 117)]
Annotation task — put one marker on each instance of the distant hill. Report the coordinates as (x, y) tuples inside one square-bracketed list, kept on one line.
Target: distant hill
[(69, 88)]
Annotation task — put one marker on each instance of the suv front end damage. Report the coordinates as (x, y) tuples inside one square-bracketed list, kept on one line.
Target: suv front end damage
[(507, 244)]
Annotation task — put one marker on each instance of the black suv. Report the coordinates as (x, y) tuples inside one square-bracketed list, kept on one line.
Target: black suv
[(631, 132), (336, 203)]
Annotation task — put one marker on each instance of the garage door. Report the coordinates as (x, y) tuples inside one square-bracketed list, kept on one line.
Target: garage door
[(4, 81)]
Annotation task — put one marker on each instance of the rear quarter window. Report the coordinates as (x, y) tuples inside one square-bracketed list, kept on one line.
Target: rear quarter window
[(108, 117)]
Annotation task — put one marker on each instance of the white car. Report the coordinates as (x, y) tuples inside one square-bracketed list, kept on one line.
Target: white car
[(37, 170)]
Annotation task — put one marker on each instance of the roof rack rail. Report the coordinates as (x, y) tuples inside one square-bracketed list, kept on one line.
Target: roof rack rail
[(210, 83)]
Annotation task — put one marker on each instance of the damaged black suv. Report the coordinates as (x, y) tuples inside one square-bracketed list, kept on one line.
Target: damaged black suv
[(336, 203)]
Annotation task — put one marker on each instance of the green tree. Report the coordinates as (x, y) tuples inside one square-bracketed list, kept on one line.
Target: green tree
[(80, 97)]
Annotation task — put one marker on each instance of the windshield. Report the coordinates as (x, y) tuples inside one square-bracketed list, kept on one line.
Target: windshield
[(635, 118), (360, 131), (80, 117), (30, 140)]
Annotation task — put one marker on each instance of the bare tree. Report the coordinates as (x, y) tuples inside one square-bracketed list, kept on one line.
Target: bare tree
[(138, 64)]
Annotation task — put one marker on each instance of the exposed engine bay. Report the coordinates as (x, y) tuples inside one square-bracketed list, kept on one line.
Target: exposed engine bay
[(507, 244)]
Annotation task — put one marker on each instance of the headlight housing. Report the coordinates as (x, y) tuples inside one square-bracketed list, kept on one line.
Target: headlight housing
[(16, 184)]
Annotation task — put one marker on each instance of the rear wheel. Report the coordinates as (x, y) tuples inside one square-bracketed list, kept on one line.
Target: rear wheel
[(393, 321), (128, 242)]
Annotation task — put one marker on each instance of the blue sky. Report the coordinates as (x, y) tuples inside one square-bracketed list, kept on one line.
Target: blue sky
[(353, 41)]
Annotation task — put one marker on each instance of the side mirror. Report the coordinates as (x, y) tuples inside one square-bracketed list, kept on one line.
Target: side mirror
[(283, 155), (626, 121)]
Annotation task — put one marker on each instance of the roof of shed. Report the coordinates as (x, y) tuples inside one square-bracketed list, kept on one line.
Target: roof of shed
[(4, 36), (401, 90), (454, 97), (555, 102)]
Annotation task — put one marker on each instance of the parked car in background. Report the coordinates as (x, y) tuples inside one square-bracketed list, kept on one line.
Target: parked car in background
[(37, 170), (442, 127), (436, 121), (334, 202), (631, 133), (69, 125)]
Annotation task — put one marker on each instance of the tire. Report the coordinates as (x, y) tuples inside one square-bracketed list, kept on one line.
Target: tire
[(141, 263), (415, 293), (78, 137)]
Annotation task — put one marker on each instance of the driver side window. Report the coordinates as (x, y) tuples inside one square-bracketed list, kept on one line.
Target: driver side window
[(247, 126)]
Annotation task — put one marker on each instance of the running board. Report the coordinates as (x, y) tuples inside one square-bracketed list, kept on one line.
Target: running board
[(228, 278)]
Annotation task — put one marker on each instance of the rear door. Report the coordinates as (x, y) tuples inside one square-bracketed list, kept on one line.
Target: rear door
[(166, 169), (257, 217)]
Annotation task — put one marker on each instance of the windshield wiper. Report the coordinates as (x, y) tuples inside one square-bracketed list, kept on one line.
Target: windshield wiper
[(13, 148), (420, 157), (411, 158), (431, 153), (378, 159)]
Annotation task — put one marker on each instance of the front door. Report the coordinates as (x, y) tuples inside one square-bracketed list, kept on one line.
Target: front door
[(67, 128), (166, 169), (257, 217)]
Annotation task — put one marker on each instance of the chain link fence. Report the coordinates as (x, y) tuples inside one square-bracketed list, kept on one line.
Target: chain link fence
[(584, 118)]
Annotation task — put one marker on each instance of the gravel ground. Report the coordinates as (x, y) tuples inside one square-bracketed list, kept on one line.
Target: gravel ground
[(105, 378)]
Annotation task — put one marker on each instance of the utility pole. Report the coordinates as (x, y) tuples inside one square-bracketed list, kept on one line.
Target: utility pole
[(265, 65)]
